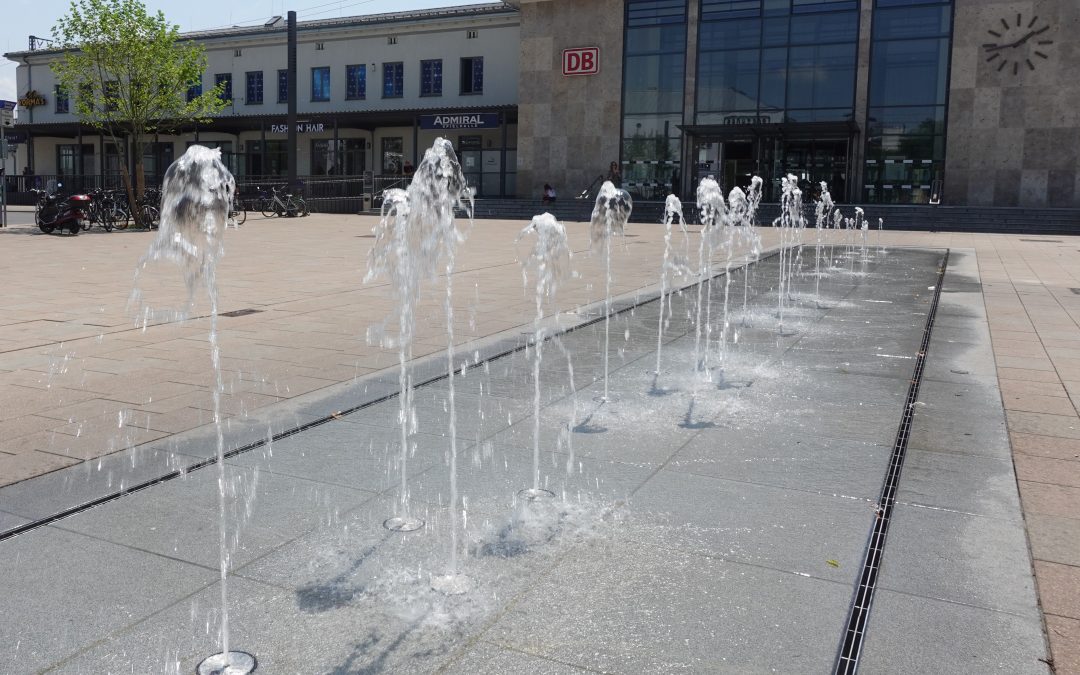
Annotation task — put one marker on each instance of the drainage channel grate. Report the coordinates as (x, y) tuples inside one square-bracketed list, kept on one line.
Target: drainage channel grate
[(847, 662), (241, 312), (1044, 241)]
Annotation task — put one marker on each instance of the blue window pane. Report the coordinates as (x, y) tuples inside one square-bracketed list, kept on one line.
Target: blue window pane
[(913, 22), (728, 80), (654, 84), (656, 39), (906, 120), (909, 72), (282, 86), (729, 34), (655, 12), (61, 98), (478, 75), (814, 29), (712, 10), (431, 77), (194, 91), (356, 82), (393, 80), (472, 75), (775, 32), (224, 79), (320, 84), (254, 87), (821, 77), (773, 78)]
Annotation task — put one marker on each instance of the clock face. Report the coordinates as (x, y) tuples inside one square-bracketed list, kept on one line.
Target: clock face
[(1019, 45)]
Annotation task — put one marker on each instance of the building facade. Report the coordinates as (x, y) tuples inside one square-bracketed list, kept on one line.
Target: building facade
[(959, 102), (372, 93)]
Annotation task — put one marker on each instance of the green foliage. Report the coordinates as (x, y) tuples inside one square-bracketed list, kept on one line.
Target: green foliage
[(130, 69)]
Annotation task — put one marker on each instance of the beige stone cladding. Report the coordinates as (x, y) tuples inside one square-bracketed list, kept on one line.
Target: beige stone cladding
[(568, 126), (1014, 129)]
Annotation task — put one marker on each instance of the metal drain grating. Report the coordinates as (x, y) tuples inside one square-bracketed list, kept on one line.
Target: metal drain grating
[(847, 662), (1044, 241), (240, 312)]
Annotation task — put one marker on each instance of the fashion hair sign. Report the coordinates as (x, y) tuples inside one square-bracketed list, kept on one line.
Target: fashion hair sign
[(581, 61)]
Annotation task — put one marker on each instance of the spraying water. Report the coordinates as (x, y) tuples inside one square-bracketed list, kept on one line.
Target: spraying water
[(744, 208), (195, 203), (416, 231), (713, 210), (822, 213), (550, 262), (789, 220), (609, 218), (672, 210)]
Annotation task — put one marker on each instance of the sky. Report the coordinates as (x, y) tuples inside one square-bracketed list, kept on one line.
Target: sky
[(20, 19)]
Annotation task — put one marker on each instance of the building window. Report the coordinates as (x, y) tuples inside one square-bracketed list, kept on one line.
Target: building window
[(905, 128), (653, 76), (282, 86), (112, 96), (346, 158), (356, 82), (273, 162), (472, 75), (63, 102), (431, 77), (393, 155), (471, 35), (67, 159), (392, 40), (224, 81), (194, 91), (393, 80), (254, 87), (238, 52), (319, 46), (320, 84)]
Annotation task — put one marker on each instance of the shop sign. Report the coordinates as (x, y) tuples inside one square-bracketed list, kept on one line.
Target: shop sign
[(460, 121), (470, 143), (747, 119), (15, 137), (581, 61), (31, 99), (301, 128)]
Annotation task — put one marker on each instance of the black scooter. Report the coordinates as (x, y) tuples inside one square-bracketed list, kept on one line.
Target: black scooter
[(59, 212)]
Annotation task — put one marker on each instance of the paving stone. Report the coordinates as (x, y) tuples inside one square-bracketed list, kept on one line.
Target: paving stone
[(1047, 470), (1048, 499), (65, 603), (1045, 446), (980, 640), (1054, 538), (1065, 426), (1059, 588), (1064, 636)]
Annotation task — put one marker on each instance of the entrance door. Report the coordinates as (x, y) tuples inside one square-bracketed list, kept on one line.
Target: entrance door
[(740, 165), (706, 160), (817, 161)]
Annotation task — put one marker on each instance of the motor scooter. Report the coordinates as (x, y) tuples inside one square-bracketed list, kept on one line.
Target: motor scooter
[(56, 211)]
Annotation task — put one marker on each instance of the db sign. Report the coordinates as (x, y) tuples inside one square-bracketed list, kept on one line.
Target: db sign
[(581, 61)]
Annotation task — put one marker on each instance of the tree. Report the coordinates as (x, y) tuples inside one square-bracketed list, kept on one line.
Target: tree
[(133, 76)]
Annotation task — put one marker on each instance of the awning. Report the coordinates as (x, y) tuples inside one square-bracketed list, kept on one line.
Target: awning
[(802, 130)]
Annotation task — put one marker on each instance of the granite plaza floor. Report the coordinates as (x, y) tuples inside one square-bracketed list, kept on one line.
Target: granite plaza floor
[(719, 532)]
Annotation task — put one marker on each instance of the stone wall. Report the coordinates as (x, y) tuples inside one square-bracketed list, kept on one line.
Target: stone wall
[(1014, 139), (568, 127)]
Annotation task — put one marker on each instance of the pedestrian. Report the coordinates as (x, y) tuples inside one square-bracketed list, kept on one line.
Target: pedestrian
[(549, 194), (614, 176)]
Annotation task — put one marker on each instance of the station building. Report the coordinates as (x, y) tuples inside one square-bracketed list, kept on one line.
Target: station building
[(958, 102)]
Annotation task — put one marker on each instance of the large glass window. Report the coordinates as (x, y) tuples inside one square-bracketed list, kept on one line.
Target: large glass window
[(320, 84), (194, 91), (472, 75), (782, 60), (431, 77), (63, 101), (254, 87), (393, 80), (344, 158), (393, 155), (653, 79), (283, 86), (356, 82), (224, 80), (905, 127)]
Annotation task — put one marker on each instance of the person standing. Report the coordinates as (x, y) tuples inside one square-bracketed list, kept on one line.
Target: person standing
[(614, 175)]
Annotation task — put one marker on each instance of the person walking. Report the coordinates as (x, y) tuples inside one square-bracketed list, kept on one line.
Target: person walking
[(614, 175)]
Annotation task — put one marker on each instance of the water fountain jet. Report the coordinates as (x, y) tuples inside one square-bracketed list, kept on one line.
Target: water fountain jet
[(608, 219)]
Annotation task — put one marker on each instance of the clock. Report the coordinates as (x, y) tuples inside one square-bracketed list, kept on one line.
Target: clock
[(1020, 45)]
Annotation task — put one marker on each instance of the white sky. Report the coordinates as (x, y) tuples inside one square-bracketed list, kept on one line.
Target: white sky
[(21, 18)]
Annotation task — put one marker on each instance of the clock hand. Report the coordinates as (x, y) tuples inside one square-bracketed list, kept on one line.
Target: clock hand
[(1030, 35)]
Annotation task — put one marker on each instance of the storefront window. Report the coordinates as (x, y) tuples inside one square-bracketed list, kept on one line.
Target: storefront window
[(393, 156), (346, 158)]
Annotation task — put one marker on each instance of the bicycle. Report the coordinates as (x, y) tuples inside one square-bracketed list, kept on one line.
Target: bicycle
[(237, 214), (289, 206), (100, 211)]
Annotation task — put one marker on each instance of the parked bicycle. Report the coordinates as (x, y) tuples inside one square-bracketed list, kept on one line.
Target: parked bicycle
[(99, 212), (237, 213), (280, 203)]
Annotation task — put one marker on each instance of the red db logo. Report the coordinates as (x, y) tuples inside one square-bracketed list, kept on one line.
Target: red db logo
[(581, 61)]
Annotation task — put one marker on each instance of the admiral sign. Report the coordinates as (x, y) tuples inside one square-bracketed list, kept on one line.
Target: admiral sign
[(460, 121), (581, 61)]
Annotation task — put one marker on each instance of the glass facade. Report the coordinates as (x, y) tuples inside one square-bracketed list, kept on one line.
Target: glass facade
[(777, 60), (653, 78), (905, 125)]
